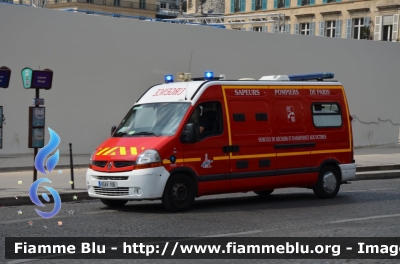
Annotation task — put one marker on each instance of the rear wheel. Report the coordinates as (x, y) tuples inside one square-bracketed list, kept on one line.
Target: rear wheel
[(179, 193), (264, 192), (328, 184), (114, 203)]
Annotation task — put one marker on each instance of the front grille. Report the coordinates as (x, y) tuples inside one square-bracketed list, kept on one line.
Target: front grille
[(121, 178), (99, 163), (112, 191), (120, 164)]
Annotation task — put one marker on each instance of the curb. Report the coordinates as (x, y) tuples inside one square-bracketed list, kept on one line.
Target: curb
[(378, 175), (378, 167), (31, 168), (26, 200)]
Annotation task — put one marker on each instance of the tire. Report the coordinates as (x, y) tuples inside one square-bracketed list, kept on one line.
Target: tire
[(264, 192), (328, 183), (179, 193), (114, 203)]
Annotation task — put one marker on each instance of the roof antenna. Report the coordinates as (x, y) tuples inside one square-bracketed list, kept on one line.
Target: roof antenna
[(190, 63)]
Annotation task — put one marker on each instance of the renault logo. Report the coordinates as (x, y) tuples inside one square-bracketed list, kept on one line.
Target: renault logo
[(109, 165)]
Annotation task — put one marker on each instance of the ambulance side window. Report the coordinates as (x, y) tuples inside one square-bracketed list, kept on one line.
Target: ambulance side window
[(208, 119), (326, 115)]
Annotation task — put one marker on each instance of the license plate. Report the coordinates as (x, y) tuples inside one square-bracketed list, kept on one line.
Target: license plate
[(108, 184)]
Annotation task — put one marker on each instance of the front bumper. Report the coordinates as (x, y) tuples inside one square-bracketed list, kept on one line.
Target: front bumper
[(132, 185), (348, 171)]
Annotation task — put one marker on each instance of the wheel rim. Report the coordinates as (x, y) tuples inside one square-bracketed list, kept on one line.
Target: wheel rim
[(329, 182), (180, 192)]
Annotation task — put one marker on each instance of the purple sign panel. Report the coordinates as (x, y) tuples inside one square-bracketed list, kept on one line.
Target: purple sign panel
[(42, 79), (5, 74)]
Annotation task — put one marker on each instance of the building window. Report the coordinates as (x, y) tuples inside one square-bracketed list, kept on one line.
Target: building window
[(258, 4), (358, 24), (331, 1), (117, 2), (142, 4), (281, 3), (259, 29), (237, 5), (387, 28), (330, 29), (387, 32), (305, 28), (305, 2), (163, 5)]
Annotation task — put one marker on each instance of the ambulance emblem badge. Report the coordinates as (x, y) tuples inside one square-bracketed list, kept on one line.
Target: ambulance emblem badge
[(206, 163)]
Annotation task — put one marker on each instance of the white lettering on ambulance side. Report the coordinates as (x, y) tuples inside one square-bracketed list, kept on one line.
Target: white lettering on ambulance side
[(319, 92), (291, 138), (247, 92), (169, 91), (286, 92)]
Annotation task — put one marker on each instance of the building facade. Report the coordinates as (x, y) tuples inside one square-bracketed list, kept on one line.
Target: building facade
[(168, 8), (205, 7), (144, 8), (355, 19)]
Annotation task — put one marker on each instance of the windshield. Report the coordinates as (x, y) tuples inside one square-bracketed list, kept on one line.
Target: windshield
[(156, 119)]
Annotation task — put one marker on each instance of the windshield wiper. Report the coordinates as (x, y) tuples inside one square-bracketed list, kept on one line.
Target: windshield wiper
[(119, 134), (144, 133)]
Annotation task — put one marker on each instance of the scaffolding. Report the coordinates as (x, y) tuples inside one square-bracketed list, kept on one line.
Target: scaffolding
[(277, 19)]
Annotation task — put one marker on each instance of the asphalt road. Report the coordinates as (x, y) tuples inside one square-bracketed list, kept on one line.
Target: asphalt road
[(364, 208)]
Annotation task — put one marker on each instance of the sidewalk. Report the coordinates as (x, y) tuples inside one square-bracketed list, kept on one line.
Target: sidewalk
[(25, 162), (372, 163)]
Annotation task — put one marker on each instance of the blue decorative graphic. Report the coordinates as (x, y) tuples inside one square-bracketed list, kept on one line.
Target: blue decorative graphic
[(45, 151), (35, 199)]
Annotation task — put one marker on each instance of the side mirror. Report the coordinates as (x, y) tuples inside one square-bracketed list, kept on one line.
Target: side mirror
[(189, 135), (113, 129)]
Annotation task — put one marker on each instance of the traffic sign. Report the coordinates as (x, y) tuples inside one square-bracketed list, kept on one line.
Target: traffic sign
[(42, 79), (26, 74), (5, 74)]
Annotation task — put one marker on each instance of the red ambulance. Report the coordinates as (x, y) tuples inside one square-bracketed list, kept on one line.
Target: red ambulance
[(201, 136)]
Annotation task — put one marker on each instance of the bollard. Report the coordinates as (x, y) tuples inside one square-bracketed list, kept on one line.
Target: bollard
[(71, 166)]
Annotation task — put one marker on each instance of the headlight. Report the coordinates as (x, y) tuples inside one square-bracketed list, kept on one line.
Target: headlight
[(149, 156), (148, 159), (91, 159)]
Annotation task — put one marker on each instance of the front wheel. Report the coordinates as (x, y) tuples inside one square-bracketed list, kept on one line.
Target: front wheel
[(114, 203), (179, 193), (328, 183)]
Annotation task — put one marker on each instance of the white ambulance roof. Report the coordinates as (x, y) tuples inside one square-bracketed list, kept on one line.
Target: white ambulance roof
[(184, 91), (170, 92)]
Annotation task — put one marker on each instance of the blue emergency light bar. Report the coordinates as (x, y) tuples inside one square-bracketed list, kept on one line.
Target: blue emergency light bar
[(209, 76), (311, 76), (169, 78)]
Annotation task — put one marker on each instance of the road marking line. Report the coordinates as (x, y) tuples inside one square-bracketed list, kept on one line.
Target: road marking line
[(21, 261), (54, 217), (382, 189), (365, 218), (235, 234)]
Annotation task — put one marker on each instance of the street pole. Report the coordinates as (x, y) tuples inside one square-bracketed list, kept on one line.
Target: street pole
[(35, 149)]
